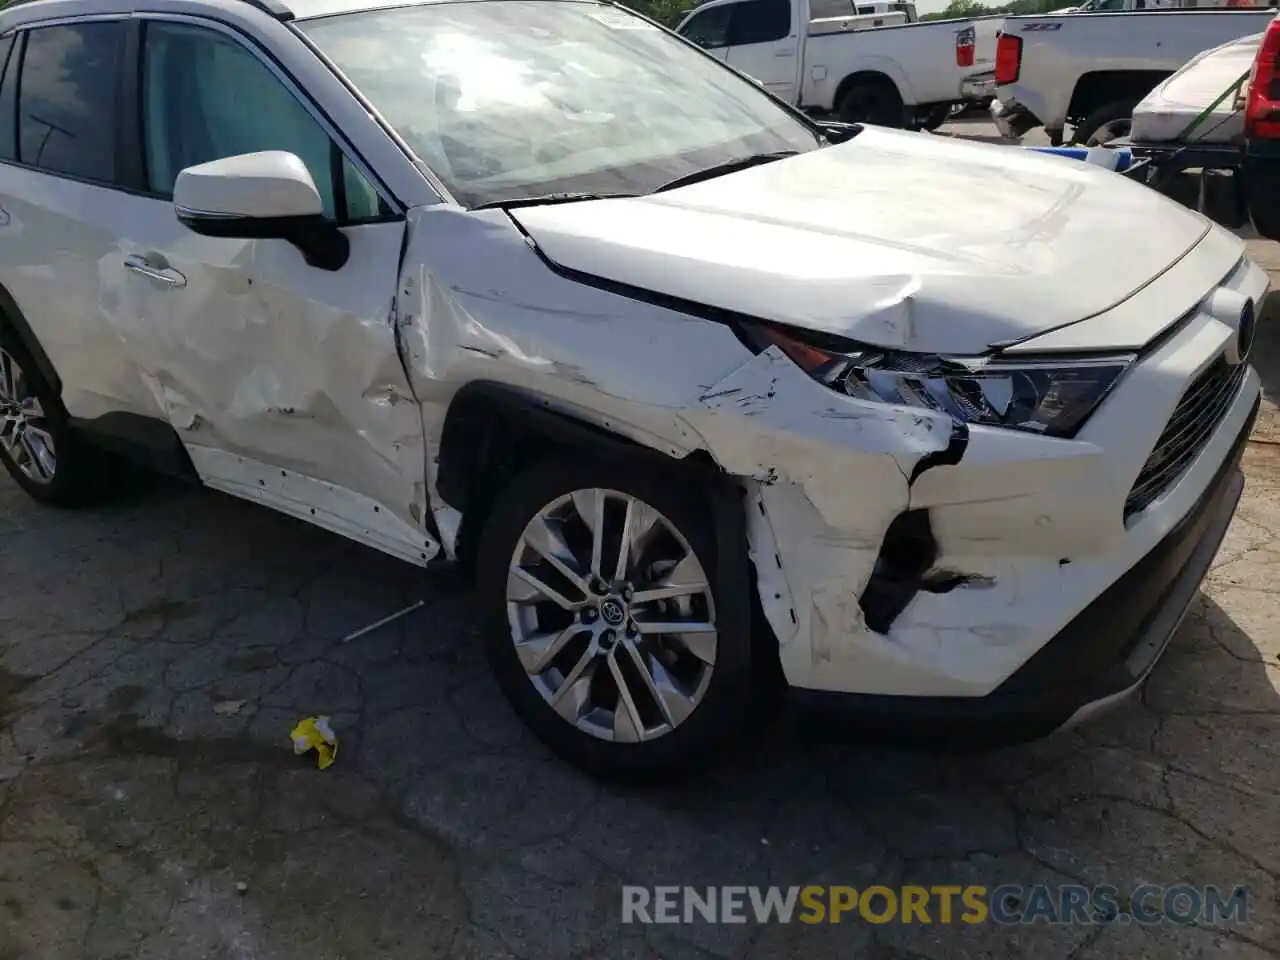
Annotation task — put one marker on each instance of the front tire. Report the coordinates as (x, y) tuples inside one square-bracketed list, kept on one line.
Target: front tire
[(37, 445), (582, 564)]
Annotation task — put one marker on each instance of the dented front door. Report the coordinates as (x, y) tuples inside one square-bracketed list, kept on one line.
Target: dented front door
[(283, 380)]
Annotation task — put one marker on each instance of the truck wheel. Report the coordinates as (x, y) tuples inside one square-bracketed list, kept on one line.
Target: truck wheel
[(613, 629), (1105, 125), (936, 117), (875, 102), (1264, 203)]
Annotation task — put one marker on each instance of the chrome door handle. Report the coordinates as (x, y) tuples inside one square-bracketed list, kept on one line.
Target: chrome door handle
[(166, 275)]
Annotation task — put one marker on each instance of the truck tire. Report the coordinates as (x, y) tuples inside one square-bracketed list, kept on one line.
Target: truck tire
[(1264, 202), (936, 117), (872, 101), (1109, 122)]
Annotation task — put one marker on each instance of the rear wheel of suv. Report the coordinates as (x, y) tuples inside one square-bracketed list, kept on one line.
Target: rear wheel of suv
[(37, 445), (613, 634)]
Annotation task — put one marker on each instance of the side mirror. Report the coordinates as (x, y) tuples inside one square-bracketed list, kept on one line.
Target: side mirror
[(260, 196)]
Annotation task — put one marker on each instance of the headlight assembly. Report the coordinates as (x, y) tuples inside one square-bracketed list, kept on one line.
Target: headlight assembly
[(1052, 397)]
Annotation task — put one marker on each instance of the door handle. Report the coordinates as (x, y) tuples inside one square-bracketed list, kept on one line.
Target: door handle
[(783, 53), (166, 275)]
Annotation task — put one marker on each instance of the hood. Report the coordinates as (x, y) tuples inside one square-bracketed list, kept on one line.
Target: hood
[(894, 239)]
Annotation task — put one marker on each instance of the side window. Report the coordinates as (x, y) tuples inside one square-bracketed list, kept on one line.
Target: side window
[(8, 81), (67, 99), (709, 29), (759, 21), (205, 97)]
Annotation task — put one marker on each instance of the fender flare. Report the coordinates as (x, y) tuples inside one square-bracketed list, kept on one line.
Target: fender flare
[(496, 403), (888, 68), (13, 316), (465, 451)]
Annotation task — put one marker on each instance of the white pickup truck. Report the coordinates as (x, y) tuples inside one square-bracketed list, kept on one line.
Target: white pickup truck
[(826, 57), (1120, 6), (1090, 70)]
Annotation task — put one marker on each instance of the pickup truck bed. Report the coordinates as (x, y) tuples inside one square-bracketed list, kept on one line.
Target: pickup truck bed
[(1171, 107)]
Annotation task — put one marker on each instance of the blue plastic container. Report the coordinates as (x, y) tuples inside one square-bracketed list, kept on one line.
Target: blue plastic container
[(1123, 157)]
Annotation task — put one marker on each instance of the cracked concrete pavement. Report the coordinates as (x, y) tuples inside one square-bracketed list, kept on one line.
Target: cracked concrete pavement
[(155, 654)]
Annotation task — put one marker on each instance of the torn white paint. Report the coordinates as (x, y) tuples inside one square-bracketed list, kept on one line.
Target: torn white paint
[(324, 504), (577, 349), (828, 474)]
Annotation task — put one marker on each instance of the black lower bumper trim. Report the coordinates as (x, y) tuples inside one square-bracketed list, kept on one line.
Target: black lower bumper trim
[(1107, 649)]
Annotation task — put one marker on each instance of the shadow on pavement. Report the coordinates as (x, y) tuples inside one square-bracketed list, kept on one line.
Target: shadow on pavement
[(155, 655)]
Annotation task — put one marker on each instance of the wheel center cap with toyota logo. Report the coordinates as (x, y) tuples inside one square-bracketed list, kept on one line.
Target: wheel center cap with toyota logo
[(612, 613)]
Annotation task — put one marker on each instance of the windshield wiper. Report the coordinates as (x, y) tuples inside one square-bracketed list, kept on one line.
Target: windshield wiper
[(729, 166), (547, 198)]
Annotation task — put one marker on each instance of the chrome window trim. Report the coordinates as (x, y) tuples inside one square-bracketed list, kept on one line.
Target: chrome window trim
[(69, 20)]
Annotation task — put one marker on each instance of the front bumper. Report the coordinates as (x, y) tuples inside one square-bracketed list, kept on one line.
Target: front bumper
[(1093, 663)]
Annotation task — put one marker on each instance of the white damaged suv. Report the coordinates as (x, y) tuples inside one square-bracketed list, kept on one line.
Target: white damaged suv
[(707, 396)]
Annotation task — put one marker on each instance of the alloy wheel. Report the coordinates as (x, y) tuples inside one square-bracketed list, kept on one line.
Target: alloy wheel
[(24, 428), (612, 615)]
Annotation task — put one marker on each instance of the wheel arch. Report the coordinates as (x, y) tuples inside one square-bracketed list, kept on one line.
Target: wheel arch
[(870, 77), (11, 314), (492, 432), (1101, 87)]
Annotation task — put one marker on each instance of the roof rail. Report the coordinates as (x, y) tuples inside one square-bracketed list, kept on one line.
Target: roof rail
[(274, 8)]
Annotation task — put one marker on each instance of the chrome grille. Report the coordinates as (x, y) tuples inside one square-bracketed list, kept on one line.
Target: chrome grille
[(1194, 419)]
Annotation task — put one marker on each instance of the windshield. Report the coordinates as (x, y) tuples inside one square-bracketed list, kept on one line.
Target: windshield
[(505, 99)]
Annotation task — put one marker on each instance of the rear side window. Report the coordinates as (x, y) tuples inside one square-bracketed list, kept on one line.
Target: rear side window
[(67, 97), (759, 21)]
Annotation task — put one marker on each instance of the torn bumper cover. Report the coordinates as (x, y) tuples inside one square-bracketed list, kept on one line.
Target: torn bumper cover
[(1099, 658), (911, 566)]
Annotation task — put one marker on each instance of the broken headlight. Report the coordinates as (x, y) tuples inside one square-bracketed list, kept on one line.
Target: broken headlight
[(1051, 396)]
